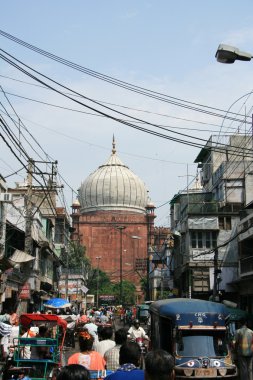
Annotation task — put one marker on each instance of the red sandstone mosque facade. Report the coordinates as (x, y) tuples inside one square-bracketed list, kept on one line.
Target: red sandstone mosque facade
[(114, 219)]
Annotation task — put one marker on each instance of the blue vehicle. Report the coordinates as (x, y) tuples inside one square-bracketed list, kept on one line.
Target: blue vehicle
[(195, 333)]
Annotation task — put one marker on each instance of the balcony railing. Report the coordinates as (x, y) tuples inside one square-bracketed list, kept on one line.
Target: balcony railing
[(213, 208), (246, 266)]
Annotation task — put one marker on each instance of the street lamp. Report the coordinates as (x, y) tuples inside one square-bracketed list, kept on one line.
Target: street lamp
[(230, 54), (98, 258), (120, 228)]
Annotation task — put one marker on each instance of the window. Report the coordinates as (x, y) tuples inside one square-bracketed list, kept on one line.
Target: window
[(203, 239), (197, 239), (211, 239), (225, 222)]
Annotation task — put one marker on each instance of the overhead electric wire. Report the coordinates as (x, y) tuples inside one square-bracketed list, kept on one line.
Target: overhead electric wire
[(113, 110), (116, 105), (143, 122), (150, 93), (89, 107), (14, 122), (89, 99), (23, 125), (25, 128), (100, 112), (24, 154)]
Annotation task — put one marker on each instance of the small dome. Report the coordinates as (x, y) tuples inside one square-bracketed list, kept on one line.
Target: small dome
[(113, 186), (76, 203)]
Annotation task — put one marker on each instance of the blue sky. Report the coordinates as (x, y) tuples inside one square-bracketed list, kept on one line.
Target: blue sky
[(166, 46)]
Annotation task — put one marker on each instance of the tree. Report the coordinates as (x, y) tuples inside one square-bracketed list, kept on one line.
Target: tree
[(105, 286), (128, 293), (76, 256)]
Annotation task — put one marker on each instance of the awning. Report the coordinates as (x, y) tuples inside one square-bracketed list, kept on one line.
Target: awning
[(21, 257)]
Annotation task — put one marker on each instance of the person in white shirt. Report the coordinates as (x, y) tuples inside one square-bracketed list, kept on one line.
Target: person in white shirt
[(106, 343), (93, 329), (137, 332)]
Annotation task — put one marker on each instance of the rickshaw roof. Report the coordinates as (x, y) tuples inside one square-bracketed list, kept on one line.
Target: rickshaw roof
[(143, 306), (236, 314), (27, 319), (171, 307)]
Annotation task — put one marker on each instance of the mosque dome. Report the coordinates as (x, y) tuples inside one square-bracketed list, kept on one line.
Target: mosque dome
[(113, 186)]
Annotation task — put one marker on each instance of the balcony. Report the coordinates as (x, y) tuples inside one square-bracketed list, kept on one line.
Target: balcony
[(246, 266), (206, 208)]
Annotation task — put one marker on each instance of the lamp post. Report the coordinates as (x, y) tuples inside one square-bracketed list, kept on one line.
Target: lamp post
[(230, 54), (120, 228), (98, 258)]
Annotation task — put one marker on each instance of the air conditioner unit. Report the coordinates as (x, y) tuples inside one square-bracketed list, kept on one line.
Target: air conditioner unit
[(5, 197)]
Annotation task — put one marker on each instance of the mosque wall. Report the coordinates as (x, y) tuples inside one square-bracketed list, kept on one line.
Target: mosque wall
[(100, 234)]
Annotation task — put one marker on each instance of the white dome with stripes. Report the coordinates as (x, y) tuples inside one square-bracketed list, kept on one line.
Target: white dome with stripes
[(113, 186)]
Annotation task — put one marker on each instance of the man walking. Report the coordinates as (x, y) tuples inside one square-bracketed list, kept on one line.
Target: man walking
[(112, 356), (243, 346)]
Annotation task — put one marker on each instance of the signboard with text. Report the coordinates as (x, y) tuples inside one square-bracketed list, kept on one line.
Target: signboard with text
[(107, 298), (25, 291)]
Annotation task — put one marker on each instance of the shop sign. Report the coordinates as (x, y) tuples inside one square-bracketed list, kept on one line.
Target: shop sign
[(107, 298), (24, 291)]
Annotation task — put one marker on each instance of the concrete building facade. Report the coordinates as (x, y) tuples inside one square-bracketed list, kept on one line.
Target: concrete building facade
[(205, 220)]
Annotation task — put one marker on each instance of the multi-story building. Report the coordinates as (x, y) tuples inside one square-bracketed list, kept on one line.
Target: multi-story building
[(204, 220), (29, 278), (161, 265)]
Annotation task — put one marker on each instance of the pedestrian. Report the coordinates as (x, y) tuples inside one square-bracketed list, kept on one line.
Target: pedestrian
[(82, 319), (159, 365), (129, 360), (73, 372), (92, 328), (106, 342), (244, 347), (13, 337), (22, 375), (87, 357), (41, 351), (112, 356)]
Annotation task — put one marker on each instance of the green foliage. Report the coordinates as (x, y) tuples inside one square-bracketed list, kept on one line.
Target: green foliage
[(143, 283), (106, 287), (128, 293), (103, 281), (75, 258)]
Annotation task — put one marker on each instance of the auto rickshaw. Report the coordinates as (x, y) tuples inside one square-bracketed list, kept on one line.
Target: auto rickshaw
[(142, 313), (38, 348)]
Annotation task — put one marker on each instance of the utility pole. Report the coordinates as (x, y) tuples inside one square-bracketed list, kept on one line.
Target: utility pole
[(67, 274), (28, 209), (121, 228), (217, 271), (98, 258)]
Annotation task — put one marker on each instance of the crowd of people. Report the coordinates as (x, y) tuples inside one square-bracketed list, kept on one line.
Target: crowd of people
[(101, 348)]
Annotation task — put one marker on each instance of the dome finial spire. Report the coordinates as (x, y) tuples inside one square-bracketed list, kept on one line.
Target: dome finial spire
[(113, 145)]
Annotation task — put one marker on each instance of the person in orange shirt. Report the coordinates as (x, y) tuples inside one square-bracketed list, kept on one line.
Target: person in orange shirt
[(82, 319), (90, 359)]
